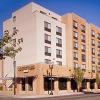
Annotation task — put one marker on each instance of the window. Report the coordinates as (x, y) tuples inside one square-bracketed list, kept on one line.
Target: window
[(75, 56), (47, 26), (83, 28), (47, 39), (98, 69), (92, 33), (30, 83), (83, 57), (98, 52), (58, 42), (98, 61), (83, 38), (47, 51), (98, 44), (76, 45), (47, 61), (14, 19), (75, 35), (47, 84), (93, 69), (42, 12), (93, 51), (58, 53), (75, 65), (62, 83), (14, 29), (58, 31), (83, 48), (83, 67), (93, 42), (23, 84), (93, 60), (75, 24), (59, 63), (98, 35), (14, 42)]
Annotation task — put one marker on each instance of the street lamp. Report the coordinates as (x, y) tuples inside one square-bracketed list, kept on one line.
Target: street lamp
[(51, 67)]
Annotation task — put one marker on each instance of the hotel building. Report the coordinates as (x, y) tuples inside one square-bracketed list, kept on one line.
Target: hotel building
[(66, 42)]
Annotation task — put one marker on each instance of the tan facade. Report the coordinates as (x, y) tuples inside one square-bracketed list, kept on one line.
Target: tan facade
[(78, 47)]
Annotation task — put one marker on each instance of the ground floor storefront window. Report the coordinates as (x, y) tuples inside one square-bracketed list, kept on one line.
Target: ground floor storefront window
[(84, 84), (92, 81), (62, 84), (47, 84), (73, 84), (23, 84), (30, 83)]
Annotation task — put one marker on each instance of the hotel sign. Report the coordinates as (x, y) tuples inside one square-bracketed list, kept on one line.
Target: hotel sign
[(31, 67)]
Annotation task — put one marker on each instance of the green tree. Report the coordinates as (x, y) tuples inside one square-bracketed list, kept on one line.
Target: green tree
[(78, 76), (10, 46)]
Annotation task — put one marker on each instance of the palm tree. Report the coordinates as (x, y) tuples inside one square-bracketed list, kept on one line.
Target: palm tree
[(78, 76)]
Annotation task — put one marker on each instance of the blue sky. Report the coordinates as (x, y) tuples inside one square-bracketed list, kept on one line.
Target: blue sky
[(88, 9)]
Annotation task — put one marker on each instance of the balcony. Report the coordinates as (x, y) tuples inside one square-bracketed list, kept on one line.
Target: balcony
[(93, 53), (47, 54), (76, 38), (75, 27), (83, 40), (93, 35), (75, 58), (84, 70), (46, 41), (47, 29), (83, 31), (93, 71), (93, 44), (59, 56), (76, 48), (59, 45), (58, 33), (93, 62), (83, 60), (83, 50)]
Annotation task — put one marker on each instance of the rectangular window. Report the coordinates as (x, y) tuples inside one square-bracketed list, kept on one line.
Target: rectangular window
[(47, 61), (58, 31), (14, 42), (83, 28), (98, 69), (62, 83), (75, 35), (83, 67), (83, 48), (92, 33), (59, 63), (93, 42), (75, 65), (93, 51), (75, 56), (58, 53), (98, 44), (47, 26), (83, 57), (58, 42), (93, 60), (83, 38), (93, 69), (14, 19), (47, 51), (14, 29), (98, 61), (98, 52), (75, 45), (47, 39), (30, 83), (98, 35), (23, 84), (75, 24)]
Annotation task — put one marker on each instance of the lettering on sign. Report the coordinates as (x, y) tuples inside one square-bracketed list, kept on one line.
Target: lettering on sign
[(32, 67)]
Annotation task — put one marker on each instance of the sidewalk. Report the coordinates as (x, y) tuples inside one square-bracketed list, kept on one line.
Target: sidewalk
[(40, 96)]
